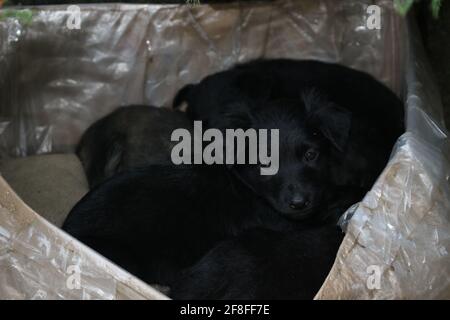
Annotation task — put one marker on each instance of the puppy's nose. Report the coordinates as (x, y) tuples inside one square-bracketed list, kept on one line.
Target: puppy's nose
[(299, 203)]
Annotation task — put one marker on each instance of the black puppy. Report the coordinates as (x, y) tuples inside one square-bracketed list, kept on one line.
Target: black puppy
[(129, 137), (311, 176), (358, 116), (158, 220), (262, 264)]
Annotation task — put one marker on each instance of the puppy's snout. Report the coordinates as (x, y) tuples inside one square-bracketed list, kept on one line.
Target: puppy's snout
[(299, 203)]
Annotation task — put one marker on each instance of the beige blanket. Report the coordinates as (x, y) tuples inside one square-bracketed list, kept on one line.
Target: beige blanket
[(49, 184)]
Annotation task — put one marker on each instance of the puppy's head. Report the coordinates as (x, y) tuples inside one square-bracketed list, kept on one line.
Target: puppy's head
[(313, 132)]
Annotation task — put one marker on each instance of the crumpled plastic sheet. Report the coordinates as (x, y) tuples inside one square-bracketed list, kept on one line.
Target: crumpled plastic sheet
[(398, 238), (54, 82), (399, 233)]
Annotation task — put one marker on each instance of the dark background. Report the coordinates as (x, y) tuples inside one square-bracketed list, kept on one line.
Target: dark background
[(435, 33), (436, 36)]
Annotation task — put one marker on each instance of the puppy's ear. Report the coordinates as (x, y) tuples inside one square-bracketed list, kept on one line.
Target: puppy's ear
[(183, 96), (114, 158), (333, 121)]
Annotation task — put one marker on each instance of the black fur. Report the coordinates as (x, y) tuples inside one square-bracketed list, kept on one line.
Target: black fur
[(251, 83), (359, 116), (158, 220), (262, 264), (319, 181), (161, 219), (129, 137)]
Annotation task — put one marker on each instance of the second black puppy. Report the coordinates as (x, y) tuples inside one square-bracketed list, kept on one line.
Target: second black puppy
[(130, 137), (156, 221)]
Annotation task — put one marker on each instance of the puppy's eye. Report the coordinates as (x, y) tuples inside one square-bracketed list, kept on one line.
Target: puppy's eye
[(311, 154)]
